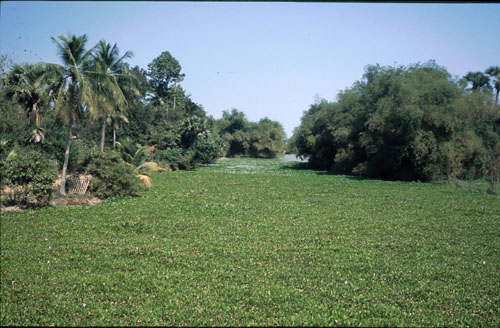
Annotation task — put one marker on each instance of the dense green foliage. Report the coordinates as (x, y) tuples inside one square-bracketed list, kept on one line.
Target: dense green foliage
[(66, 109), (111, 176), (164, 73), (404, 123), (31, 174), (251, 242), (492, 170), (265, 139)]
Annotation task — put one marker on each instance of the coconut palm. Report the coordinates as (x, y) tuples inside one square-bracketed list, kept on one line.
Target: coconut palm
[(74, 92), (494, 72), (109, 76), (128, 82), (115, 120)]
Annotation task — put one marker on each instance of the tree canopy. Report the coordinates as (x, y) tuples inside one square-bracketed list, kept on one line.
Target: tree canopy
[(265, 138), (63, 110), (405, 123), (412, 122)]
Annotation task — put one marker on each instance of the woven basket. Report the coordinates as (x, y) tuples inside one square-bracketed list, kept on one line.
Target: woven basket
[(78, 185)]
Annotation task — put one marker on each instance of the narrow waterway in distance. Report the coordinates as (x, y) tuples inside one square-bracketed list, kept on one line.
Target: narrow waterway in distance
[(293, 158)]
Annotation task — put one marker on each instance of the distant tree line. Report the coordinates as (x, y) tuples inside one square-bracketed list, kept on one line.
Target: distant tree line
[(406, 123), (94, 112), (263, 139)]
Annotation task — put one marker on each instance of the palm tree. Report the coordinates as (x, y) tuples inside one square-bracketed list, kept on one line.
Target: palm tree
[(494, 72), (115, 119), (128, 82), (110, 74), (478, 80), (74, 90), (30, 86)]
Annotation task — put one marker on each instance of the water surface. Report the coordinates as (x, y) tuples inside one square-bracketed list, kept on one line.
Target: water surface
[(293, 158)]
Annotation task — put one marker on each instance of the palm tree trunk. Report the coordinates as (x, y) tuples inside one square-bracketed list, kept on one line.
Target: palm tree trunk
[(62, 189), (37, 115), (114, 136), (73, 119), (103, 131)]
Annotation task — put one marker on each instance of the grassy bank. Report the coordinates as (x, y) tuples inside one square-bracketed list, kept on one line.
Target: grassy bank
[(258, 242)]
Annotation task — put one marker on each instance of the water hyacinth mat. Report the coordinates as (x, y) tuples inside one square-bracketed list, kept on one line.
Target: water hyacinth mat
[(249, 242)]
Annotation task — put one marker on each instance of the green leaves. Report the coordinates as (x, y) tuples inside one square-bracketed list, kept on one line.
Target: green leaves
[(401, 123), (265, 138), (163, 72), (111, 176), (34, 174), (478, 80), (257, 242)]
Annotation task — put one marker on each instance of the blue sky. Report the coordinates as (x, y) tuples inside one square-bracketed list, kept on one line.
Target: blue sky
[(265, 59)]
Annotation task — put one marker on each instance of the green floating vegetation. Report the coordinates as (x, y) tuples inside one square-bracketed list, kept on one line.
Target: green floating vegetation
[(251, 242)]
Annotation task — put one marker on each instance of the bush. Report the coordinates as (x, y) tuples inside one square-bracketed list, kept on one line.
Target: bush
[(3, 178), (111, 176), (55, 143), (492, 170), (171, 156), (240, 137), (32, 174), (208, 149), (186, 161), (195, 144), (267, 139)]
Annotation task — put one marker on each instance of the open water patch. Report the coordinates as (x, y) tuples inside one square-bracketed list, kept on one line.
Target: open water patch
[(293, 158)]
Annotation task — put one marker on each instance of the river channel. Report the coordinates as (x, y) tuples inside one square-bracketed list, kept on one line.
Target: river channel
[(293, 158)]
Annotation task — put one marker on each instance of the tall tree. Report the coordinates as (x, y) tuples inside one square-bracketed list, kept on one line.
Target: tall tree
[(30, 86), (164, 72), (478, 80), (404, 123), (129, 83), (109, 68), (75, 89), (494, 72), (135, 88)]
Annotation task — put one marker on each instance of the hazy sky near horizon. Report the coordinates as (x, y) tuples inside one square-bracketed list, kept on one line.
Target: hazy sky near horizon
[(264, 58)]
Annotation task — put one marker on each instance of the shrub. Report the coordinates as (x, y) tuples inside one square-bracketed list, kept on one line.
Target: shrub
[(32, 174), (187, 144), (265, 138), (111, 176), (3, 178), (208, 149), (171, 156), (492, 170), (186, 161), (57, 145)]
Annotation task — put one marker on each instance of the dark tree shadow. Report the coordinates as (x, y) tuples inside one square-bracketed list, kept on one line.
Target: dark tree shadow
[(302, 166), (295, 166)]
